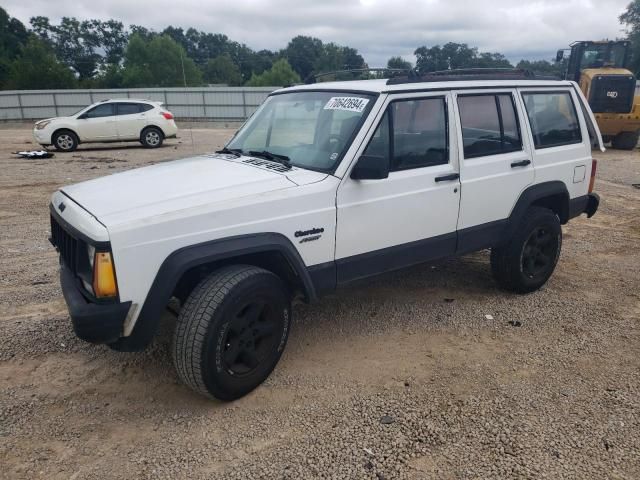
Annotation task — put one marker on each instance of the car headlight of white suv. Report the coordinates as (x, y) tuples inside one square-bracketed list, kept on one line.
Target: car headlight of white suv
[(43, 124)]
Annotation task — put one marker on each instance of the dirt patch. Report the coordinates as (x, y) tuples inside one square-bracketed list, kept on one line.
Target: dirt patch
[(403, 377)]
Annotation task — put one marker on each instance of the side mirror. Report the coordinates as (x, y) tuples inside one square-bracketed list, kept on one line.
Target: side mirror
[(559, 55), (371, 167)]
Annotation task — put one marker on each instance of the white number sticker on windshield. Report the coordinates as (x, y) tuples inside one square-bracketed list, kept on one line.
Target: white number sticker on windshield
[(352, 104)]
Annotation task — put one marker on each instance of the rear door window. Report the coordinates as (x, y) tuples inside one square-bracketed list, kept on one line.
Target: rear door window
[(553, 119), (128, 108), (489, 124)]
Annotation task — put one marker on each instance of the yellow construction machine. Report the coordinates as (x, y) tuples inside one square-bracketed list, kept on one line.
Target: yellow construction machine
[(601, 70)]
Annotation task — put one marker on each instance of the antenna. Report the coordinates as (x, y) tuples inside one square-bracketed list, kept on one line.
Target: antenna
[(184, 79)]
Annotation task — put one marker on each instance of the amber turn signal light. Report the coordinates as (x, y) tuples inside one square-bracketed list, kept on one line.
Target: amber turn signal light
[(104, 277)]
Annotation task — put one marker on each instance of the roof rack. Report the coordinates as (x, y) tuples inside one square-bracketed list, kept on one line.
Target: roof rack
[(471, 74), (314, 76)]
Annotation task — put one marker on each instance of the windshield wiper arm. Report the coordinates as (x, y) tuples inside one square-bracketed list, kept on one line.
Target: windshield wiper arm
[(231, 151), (275, 157)]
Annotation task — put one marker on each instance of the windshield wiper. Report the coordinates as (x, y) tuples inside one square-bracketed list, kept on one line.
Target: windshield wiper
[(274, 157), (231, 151)]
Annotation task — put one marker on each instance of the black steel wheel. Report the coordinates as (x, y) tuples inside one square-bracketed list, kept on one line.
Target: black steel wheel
[(526, 261), (539, 252), (232, 331)]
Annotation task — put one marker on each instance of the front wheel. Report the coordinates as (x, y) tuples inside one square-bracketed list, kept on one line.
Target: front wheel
[(529, 257), (232, 331), (65, 141), (625, 140), (151, 137)]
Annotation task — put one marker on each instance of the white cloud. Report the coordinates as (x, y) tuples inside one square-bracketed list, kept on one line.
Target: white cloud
[(377, 28)]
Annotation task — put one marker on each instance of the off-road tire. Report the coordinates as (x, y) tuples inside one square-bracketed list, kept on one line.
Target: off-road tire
[(65, 141), (151, 137), (511, 264), (625, 140), (212, 315)]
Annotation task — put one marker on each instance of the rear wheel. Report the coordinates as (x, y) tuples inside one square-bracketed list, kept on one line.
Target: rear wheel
[(527, 260), (151, 137), (232, 331), (625, 140), (65, 141)]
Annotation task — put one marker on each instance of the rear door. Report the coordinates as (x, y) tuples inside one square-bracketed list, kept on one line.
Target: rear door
[(496, 164), (98, 124), (409, 217), (131, 119)]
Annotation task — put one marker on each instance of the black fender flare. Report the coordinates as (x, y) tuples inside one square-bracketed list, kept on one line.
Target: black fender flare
[(535, 193), (186, 258)]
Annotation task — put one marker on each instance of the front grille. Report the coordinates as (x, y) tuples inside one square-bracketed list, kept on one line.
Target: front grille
[(612, 93), (66, 245)]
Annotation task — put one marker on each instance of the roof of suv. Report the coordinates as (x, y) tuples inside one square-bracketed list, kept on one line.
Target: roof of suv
[(381, 85)]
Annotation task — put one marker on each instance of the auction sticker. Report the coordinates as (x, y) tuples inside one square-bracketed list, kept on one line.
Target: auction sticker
[(352, 104)]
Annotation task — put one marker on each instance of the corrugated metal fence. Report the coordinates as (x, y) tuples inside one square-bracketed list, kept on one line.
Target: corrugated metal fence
[(204, 103)]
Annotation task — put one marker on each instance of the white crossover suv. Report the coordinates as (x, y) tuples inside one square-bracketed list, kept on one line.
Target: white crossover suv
[(121, 120), (325, 185)]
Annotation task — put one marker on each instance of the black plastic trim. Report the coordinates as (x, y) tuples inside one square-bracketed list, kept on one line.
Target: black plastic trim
[(323, 276), (479, 237), (538, 192), (177, 263), (357, 267), (585, 204), (94, 323)]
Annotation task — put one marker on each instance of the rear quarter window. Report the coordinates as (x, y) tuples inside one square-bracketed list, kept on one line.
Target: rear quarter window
[(553, 119)]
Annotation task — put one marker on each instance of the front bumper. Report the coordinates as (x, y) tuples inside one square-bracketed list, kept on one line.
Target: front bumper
[(586, 204), (41, 137), (92, 322)]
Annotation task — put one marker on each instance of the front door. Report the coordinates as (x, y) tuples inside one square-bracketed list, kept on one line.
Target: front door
[(409, 217)]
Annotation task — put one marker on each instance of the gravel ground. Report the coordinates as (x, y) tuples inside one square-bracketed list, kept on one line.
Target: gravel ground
[(403, 377)]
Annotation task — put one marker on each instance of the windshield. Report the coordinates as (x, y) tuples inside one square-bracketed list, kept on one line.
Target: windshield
[(312, 129), (605, 55)]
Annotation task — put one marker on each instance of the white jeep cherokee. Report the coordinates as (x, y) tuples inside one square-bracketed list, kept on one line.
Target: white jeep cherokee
[(326, 184)]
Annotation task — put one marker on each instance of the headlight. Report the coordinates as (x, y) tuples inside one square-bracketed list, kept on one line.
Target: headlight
[(41, 125)]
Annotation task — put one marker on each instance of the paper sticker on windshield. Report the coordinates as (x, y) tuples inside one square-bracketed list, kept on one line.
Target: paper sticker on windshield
[(352, 104)]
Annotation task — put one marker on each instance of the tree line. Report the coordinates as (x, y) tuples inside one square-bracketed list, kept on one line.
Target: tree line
[(105, 54)]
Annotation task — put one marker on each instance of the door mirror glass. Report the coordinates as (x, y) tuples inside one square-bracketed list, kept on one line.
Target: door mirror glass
[(371, 167)]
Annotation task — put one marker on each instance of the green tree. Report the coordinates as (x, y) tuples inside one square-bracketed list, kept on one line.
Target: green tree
[(302, 53), (36, 67), (158, 62), (13, 36), (544, 67), (73, 41), (399, 62), (279, 74), (222, 70), (456, 55), (631, 20)]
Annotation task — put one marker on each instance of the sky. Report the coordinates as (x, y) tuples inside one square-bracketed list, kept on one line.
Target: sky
[(379, 29)]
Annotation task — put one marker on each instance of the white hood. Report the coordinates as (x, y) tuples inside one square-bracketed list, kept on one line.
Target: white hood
[(180, 184)]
